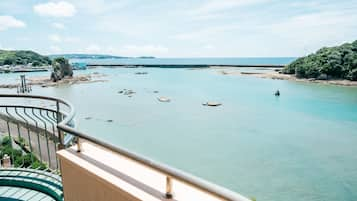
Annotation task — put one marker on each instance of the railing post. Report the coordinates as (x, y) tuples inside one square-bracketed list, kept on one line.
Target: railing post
[(79, 145), (168, 194), (60, 133)]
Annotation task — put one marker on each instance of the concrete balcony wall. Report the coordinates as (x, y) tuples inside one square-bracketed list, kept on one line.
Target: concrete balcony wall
[(97, 174)]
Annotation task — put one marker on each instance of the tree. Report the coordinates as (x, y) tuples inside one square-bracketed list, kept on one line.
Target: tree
[(8, 61), (36, 63)]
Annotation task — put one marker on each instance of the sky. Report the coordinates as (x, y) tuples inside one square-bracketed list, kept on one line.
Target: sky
[(171, 28)]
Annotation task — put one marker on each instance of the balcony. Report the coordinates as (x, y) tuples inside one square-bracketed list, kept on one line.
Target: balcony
[(42, 151)]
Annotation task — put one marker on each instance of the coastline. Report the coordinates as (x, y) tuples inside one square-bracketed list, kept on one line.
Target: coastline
[(278, 76), (264, 72)]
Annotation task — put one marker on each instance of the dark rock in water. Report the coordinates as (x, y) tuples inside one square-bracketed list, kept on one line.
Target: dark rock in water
[(156, 92), (120, 92), (129, 92), (277, 93), (109, 120), (88, 118), (141, 73)]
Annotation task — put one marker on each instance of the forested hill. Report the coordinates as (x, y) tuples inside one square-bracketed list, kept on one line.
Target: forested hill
[(339, 62), (23, 57)]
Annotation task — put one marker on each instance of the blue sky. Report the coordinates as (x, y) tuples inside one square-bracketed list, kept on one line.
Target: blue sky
[(171, 28)]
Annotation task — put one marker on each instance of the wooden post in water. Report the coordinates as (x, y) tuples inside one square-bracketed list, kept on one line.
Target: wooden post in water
[(23, 87)]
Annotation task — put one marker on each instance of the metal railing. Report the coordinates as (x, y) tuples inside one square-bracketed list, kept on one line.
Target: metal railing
[(57, 128)]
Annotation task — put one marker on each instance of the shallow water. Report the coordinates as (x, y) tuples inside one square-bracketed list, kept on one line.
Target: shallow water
[(299, 146)]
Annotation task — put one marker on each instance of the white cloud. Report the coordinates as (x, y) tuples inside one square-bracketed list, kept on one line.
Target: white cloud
[(23, 39), (55, 38), (208, 47), (70, 39), (96, 7), (215, 6), (7, 22), (55, 9), (59, 39), (127, 50), (58, 25), (144, 50), (55, 49), (208, 33), (309, 32), (93, 48)]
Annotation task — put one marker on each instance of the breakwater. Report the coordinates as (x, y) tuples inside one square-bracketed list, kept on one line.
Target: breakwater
[(181, 65)]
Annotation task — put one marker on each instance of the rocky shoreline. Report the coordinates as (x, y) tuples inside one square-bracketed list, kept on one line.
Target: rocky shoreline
[(278, 76), (45, 81)]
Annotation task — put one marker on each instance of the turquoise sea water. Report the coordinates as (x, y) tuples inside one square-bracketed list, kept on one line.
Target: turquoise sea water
[(300, 146), (208, 61)]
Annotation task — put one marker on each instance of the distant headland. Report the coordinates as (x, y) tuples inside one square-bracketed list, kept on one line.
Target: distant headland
[(95, 56), (23, 57), (328, 63)]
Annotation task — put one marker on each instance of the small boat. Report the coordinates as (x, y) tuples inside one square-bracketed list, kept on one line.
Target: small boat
[(212, 104), (163, 99)]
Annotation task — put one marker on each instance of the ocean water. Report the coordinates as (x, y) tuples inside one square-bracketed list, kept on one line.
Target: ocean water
[(187, 61), (299, 146)]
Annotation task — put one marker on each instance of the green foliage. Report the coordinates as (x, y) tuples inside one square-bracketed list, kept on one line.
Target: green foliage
[(28, 158), (338, 62), (352, 75), (22, 141), (10, 152), (6, 141), (18, 157), (23, 57), (61, 68), (38, 165)]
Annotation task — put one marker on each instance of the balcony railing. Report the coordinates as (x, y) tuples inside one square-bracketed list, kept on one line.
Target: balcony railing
[(47, 125)]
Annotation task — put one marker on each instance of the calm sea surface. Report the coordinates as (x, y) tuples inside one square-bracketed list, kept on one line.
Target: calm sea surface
[(209, 61), (300, 146)]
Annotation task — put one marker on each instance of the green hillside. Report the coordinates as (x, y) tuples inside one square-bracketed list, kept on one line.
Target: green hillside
[(338, 62), (23, 57)]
